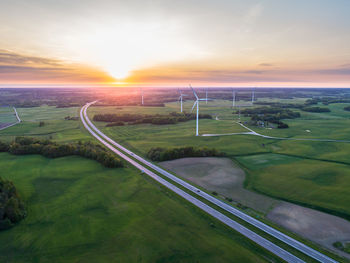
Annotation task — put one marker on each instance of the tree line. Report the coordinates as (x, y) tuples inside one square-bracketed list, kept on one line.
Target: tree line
[(159, 154), (47, 148), (316, 109), (156, 119), (270, 115), (12, 209), (326, 100)]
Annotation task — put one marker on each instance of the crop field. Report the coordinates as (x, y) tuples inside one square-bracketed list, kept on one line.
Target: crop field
[(78, 209), (315, 174)]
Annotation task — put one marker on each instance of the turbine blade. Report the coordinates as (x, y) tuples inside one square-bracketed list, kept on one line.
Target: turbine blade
[(194, 93), (194, 104)]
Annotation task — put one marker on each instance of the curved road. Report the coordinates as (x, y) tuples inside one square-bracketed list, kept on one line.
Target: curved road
[(273, 232), (12, 124), (251, 132)]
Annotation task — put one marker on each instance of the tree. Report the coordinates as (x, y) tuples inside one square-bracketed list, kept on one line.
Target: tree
[(12, 209)]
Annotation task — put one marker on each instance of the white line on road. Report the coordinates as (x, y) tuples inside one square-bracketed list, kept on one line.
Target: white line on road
[(285, 255), (271, 231)]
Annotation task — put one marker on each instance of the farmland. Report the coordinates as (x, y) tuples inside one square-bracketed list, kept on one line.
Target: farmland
[(79, 209), (55, 126), (319, 168), (309, 173)]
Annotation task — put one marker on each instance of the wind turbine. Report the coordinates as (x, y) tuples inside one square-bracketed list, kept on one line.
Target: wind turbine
[(141, 91), (233, 98), (180, 98), (253, 97), (206, 96), (194, 104)]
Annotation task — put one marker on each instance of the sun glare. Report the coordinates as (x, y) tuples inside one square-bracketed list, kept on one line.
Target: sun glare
[(129, 47), (118, 72)]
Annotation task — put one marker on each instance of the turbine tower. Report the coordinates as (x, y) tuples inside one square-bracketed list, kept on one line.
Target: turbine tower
[(180, 98), (206, 96), (233, 98), (253, 97), (141, 91), (196, 103)]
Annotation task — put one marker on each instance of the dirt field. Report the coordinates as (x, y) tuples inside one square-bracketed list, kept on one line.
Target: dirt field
[(224, 177), (320, 227)]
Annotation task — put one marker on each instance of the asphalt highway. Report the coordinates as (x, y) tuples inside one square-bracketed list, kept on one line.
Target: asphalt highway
[(256, 238)]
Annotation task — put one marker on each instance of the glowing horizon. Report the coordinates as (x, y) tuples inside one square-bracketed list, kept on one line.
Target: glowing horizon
[(221, 43)]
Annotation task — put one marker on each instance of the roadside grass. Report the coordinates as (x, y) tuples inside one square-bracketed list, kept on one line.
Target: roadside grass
[(79, 210)]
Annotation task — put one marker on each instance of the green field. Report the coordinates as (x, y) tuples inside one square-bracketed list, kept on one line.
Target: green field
[(79, 211), (7, 115), (55, 126), (315, 174)]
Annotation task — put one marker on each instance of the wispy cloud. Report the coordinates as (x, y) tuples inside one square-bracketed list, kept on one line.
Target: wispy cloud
[(265, 65), (335, 71), (16, 67), (11, 58)]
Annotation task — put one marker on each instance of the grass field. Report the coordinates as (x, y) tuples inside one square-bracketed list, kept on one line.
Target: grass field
[(55, 126), (314, 174), (79, 211), (7, 115)]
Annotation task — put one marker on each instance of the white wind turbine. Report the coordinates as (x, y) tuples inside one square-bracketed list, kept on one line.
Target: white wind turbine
[(194, 104), (253, 96), (141, 91), (206, 96), (180, 98), (233, 98)]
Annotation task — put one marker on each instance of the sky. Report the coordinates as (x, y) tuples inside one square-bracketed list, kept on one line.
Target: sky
[(272, 43)]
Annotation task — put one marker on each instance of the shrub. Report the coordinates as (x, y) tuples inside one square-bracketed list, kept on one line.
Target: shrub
[(282, 125), (118, 123)]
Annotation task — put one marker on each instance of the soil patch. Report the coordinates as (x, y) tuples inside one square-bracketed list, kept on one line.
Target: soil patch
[(226, 178)]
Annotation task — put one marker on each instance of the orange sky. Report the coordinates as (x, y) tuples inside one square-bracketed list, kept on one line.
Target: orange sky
[(163, 43)]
